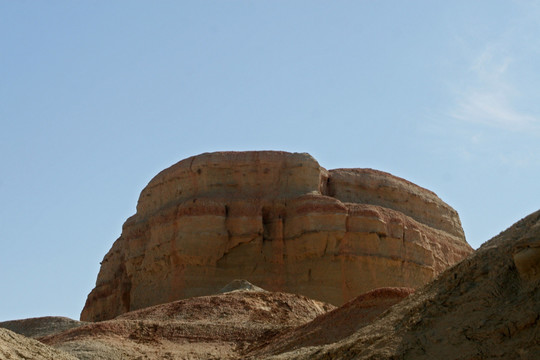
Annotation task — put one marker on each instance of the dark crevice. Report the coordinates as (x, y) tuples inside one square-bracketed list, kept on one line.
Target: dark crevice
[(266, 219)]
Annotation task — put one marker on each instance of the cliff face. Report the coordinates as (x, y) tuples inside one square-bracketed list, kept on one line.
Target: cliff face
[(279, 220)]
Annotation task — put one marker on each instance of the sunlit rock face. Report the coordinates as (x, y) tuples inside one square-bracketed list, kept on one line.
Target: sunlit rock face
[(279, 220)]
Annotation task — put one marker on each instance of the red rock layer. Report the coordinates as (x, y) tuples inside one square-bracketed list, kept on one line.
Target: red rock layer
[(279, 220)]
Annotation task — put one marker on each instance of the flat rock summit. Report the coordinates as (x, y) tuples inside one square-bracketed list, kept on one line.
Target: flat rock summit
[(268, 256), (278, 220)]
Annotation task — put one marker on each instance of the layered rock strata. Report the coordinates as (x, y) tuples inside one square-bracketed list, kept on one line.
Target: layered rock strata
[(279, 220)]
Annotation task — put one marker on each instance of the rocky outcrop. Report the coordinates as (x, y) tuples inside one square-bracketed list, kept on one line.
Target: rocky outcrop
[(279, 220)]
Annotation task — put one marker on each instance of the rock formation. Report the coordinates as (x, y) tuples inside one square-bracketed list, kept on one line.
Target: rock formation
[(279, 220)]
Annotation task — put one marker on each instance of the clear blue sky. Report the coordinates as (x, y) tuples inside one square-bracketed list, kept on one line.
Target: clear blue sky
[(96, 97)]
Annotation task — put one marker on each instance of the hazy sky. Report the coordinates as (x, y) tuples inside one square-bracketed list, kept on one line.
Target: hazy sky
[(96, 97)]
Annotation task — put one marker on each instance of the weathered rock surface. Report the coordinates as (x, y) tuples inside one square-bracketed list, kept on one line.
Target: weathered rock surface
[(17, 347), (280, 221), (209, 327), (485, 307)]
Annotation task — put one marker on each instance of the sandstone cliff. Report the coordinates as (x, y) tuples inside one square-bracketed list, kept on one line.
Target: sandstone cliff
[(279, 220)]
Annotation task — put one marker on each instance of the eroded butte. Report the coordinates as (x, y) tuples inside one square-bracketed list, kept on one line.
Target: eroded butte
[(281, 221)]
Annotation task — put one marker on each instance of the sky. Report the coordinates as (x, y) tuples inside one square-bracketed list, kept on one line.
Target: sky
[(97, 97)]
